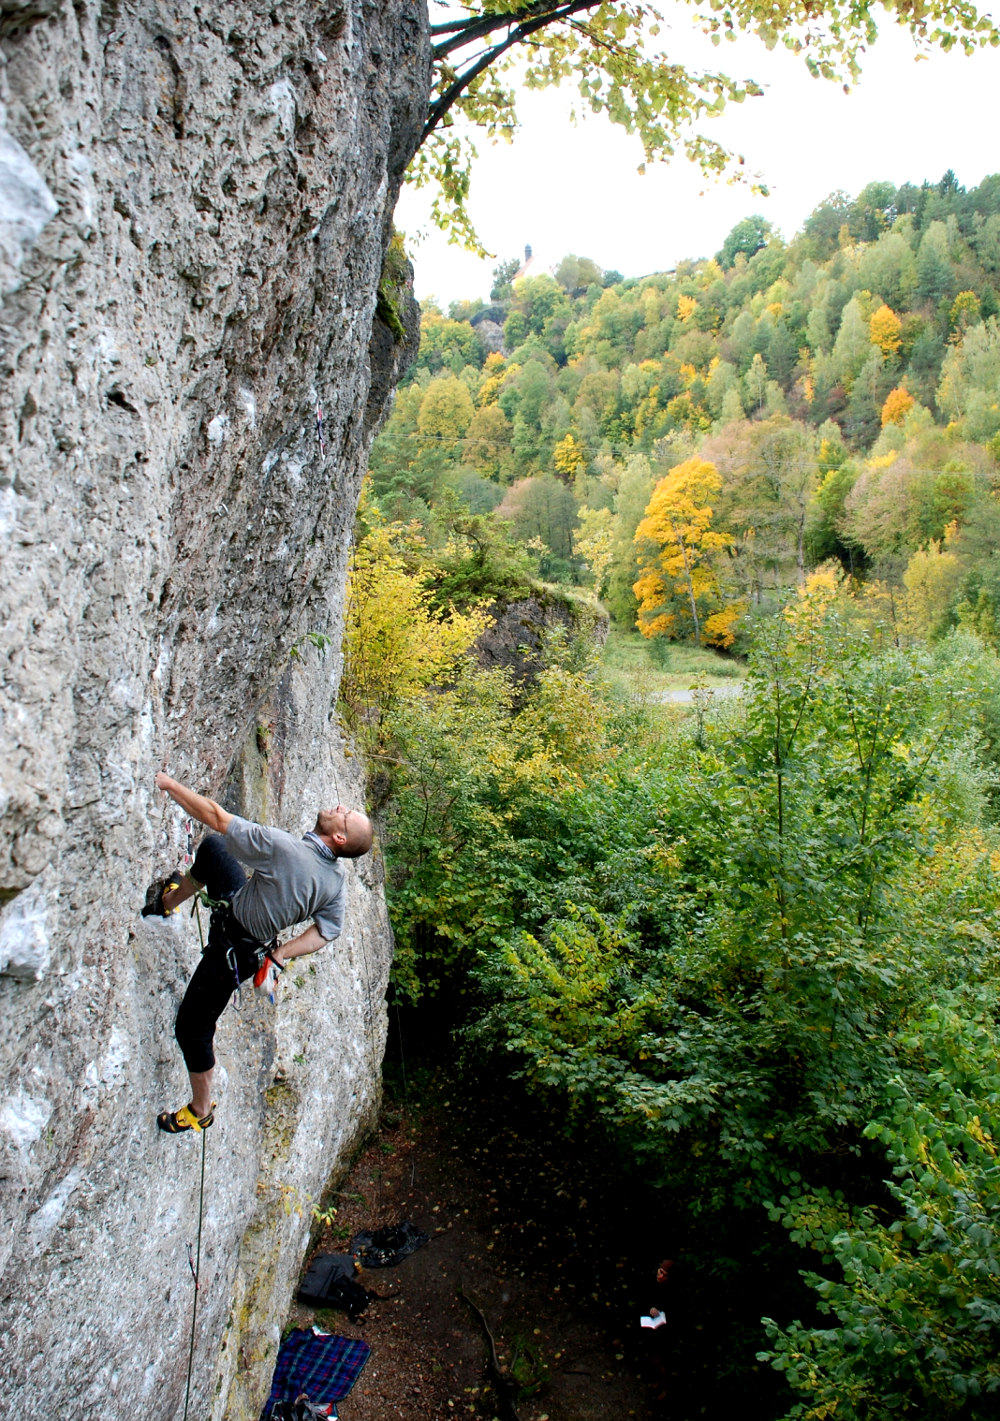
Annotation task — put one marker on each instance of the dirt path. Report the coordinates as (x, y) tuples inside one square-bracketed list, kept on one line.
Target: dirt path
[(428, 1350)]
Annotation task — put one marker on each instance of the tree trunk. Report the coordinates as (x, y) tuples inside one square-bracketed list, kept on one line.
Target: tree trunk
[(690, 587)]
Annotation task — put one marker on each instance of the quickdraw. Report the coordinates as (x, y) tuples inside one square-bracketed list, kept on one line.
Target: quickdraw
[(319, 431)]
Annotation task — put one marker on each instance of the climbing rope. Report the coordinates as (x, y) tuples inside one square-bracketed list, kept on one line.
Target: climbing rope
[(195, 1265), (402, 1058), (378, 819), (376, 1075), (194, 1255)]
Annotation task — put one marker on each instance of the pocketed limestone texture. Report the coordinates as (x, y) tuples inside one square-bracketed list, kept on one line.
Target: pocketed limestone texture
[(195, 205)]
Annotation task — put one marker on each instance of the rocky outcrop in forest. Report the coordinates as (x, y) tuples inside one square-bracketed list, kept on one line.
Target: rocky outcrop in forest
[(195, 213), (521, 631)]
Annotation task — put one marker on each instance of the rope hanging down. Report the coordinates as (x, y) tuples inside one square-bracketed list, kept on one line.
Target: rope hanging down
[(195, 1265), (369, 1017)]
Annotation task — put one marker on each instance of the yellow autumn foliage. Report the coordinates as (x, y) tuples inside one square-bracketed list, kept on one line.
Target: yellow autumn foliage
[(813, 598), (490, 389), (885, 329), (593, 541), (569, 457), (897, 405), (720, 628), (675, 539), (932, 579), (395, 644)]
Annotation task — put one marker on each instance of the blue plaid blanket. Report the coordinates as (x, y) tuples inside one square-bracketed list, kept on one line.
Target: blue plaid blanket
[(324, 1368)]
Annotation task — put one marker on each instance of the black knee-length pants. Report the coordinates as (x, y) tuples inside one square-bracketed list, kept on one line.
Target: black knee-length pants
[(231, 955)]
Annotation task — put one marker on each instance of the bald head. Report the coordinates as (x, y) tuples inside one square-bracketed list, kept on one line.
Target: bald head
[(347, 831), (359, 835)]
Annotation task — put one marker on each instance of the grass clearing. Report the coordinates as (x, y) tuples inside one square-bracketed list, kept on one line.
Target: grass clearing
[(627, 662)]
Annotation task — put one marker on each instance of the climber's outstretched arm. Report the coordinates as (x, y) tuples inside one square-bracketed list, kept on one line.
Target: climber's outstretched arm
[(309, 941), (199, 806)]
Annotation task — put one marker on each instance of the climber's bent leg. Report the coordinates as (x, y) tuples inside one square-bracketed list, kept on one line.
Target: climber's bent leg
[(201, 1092), (208, 991), (211, 986), (217, 870), (230, 958), (214, 869)]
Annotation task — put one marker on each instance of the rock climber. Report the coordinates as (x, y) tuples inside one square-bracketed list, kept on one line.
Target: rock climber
[(293, 880)]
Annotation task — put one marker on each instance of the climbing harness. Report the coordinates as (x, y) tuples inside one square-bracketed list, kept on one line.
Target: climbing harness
[(263, 954), (195, 1265), (210, 903)]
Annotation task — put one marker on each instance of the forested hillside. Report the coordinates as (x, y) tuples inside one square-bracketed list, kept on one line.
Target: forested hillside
[(749, 953), (843, 387)]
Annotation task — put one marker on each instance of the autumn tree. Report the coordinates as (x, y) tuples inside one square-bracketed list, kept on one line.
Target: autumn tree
[(569, 457), (488, 441), (885, 328), (965, 312), (932, 579), (675, 541), (446, 409), (593, 543), (898, 404), (395, 643)]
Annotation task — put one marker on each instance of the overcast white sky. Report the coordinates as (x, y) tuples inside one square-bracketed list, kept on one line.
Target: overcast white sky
[(565, 188)]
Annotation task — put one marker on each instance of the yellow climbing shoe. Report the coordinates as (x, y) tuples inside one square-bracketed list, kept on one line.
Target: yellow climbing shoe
[(175, 1122), (153, 907)]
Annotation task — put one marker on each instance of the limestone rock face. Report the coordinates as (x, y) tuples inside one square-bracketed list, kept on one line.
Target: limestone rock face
[(195, 206)]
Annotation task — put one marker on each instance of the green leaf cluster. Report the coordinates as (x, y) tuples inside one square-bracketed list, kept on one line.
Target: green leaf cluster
[(760, 946), (611, 53), (915, 1318)]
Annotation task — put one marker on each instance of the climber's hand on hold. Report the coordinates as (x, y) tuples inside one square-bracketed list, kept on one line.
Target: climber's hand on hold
[(199, 806)]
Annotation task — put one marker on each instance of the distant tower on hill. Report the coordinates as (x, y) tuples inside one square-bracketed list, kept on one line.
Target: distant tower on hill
[(525, 266)]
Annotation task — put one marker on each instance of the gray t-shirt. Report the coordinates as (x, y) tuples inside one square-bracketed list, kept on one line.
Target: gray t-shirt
[(292, 881)]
